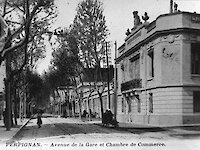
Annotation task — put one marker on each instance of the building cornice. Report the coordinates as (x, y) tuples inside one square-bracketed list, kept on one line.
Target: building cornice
[(154, 36), (177, 13)]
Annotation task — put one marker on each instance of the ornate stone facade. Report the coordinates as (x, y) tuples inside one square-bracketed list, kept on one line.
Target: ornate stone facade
[(165, 55)]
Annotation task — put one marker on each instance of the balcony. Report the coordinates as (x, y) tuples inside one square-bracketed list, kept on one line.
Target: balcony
[(132, 84)]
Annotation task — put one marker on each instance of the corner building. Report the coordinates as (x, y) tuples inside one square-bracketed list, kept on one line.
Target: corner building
[(159, 71)]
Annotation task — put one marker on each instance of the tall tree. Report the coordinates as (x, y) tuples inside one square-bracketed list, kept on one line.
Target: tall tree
[(65, 55), (65, 63), (39, 89), (90, 29), (27, 20)]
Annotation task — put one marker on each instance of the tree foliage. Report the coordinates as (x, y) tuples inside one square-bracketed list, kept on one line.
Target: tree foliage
[(39, 89), (90, 29), (65, 62), (91, 32), (29, 22)]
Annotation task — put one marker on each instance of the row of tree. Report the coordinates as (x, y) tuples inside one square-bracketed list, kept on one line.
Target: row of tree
[(75, 48), (79, 47), (28, 24)]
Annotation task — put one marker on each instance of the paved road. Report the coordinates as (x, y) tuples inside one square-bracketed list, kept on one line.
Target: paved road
[(62, 133), (60, 127)]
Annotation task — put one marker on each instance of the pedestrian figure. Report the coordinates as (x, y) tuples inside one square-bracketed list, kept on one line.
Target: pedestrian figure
[(105, 120), (108, 119), (109, 115), (39, 120), (84, 113)]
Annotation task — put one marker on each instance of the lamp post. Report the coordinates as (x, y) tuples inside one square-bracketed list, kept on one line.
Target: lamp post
[(115, 84), (108, 75)]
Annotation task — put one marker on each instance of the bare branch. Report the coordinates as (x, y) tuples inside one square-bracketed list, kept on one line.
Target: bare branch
[(29, 18), (15, 5), (9, 11), (4, 8), (14, 22)]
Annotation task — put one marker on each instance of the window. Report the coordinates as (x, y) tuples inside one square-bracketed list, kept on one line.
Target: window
[(123, 105), (195, 58), (151, 63), (196, 101), (138, 103), (135, 67), (151, 102), (1, 96)]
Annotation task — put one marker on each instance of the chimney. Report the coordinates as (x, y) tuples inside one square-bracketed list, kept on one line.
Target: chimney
[(171, 6)]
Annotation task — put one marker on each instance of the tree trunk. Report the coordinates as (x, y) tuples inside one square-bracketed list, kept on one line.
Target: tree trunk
[(80, 110), (8, 94), (74, 108), (101, 102), (8, 107), (89, 112), (15, 106), (12, 96)]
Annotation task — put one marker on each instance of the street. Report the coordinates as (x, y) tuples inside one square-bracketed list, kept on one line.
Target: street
[(71, 133)]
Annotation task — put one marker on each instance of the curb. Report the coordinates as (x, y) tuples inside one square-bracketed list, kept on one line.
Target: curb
[(22, 126), (124, 128)]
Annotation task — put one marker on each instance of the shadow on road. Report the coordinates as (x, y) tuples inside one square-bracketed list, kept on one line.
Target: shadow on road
[(59, 129)]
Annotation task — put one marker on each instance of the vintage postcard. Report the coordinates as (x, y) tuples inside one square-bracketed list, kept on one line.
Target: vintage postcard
[(100, 74)]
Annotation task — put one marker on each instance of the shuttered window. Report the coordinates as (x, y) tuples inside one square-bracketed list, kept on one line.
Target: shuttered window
[(150, 102), (151, 63), (196, 101), (195, 58)]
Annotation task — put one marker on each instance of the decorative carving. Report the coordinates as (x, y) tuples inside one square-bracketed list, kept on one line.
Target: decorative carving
[(167, 54), (128, 32), (171, 6), (171, 55), (175, 7), (170, 38), (145, 17), (137, 21)]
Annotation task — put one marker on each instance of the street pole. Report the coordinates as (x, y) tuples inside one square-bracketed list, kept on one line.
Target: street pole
[(108, 75), (24, 114), (115, 84)]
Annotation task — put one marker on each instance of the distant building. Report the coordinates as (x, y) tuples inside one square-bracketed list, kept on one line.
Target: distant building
[(89, 97), (159, 71)]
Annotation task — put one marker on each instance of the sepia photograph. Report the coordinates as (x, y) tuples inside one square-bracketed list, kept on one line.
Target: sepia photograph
[(99, 74)]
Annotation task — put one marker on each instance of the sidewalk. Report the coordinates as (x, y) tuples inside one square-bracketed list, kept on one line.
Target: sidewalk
[(184, 130), (7, 135)]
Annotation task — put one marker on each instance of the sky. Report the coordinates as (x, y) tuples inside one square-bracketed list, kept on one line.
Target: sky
[(119, 16)]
